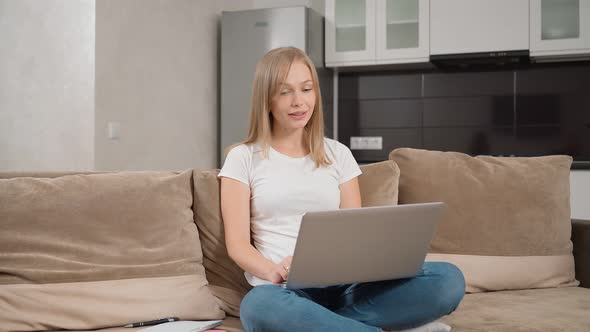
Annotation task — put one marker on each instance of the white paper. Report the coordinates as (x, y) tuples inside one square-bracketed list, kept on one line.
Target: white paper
[(184, 326)]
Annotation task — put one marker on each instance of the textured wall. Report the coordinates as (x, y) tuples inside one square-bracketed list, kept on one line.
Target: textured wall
[(47, 85)]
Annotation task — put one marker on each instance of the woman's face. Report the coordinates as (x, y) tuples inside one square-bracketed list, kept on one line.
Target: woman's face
[(293, 105)]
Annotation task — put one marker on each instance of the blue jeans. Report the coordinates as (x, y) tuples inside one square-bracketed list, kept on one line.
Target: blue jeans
[(391, 305)]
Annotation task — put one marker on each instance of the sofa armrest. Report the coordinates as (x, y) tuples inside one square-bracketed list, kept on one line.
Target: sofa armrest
[(581, 240)]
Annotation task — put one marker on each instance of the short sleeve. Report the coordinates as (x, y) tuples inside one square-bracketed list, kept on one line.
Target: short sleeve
[(347, 165), (237, 164)]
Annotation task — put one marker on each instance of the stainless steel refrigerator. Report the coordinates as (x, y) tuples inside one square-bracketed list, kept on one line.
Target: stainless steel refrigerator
[(245, 37)]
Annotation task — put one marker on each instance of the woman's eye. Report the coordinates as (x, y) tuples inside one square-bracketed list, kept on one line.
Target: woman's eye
[(307, 89), (283, 93)]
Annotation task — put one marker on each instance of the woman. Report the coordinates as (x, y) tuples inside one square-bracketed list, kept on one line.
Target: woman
[(286, 168)]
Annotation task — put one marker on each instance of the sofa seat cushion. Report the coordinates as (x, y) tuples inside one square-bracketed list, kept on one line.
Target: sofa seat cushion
[(535, 310), (507, 220), (100, 250), (230, 324), (546, 310)]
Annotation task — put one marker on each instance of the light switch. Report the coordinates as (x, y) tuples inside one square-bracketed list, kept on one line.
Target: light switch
[(114, 130)]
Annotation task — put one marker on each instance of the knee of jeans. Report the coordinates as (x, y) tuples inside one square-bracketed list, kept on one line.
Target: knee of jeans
[(257, 304), (452, 285)]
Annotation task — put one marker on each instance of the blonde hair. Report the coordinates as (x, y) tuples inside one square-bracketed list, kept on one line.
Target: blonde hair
[(271, 70)]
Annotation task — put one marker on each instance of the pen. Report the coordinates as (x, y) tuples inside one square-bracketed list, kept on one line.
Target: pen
[(153, 322)]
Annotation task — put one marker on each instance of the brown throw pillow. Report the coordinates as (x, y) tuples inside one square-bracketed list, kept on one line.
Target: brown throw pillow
[(94, 251), (507, 221)]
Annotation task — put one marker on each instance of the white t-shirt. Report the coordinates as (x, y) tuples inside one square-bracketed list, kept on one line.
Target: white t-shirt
[(282, 189)]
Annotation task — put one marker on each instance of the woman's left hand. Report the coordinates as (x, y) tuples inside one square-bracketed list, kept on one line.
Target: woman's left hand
[(286, 264)]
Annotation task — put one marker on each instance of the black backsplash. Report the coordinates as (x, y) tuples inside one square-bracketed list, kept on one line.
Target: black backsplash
[(532, 111)]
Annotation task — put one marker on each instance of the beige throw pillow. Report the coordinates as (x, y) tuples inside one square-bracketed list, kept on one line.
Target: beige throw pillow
[(507, 221), (226, 278), (102, 250), (379, 183)]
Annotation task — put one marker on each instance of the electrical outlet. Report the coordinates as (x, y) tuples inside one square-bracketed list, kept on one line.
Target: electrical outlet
[(374, 143), (355, 143), (366, 143)]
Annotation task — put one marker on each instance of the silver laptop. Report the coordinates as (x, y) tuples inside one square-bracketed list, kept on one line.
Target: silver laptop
[(362, 245)]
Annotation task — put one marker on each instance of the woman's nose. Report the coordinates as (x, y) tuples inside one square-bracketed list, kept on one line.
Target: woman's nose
[(297, 99)]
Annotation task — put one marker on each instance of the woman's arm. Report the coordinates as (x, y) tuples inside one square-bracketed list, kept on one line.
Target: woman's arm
[(235, 211), (350, 194)]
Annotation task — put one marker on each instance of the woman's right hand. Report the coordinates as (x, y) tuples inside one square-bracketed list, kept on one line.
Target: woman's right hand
[(280, 272)]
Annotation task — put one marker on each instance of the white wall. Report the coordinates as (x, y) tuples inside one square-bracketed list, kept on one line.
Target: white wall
[(46, 85), (156, 77), (580, 194)]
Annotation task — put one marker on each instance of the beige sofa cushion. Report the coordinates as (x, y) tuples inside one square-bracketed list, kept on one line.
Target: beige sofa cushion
[(230, 324), (226, 278), (507, 222), (547, 310), (100, 250), (378, 185)]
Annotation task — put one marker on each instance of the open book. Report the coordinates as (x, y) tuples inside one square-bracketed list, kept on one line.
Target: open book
[(184, 326)]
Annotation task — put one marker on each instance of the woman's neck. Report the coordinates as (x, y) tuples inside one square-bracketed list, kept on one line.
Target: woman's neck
[(292, 143)]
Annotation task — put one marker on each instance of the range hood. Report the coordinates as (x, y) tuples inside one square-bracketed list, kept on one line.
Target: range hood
[(482, 60), (467, 34)]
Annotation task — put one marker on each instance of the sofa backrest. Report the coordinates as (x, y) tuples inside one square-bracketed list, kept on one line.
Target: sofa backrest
[(89, 251)]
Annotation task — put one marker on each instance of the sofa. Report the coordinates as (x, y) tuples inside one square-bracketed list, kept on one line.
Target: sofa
[(97, 250)]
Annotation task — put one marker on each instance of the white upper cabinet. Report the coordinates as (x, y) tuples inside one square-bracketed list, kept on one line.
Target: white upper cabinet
[(350, 32), (474, 26), (368, 32), (402, 31), (560, 28)]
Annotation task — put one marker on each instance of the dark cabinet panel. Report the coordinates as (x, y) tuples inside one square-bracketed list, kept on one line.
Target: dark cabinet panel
[(348, 114), (390, 113), (474, 141), (389, 86), (553, 80), (539, 110), (468, 111), (468, 84), (348, 87), (532, 111)]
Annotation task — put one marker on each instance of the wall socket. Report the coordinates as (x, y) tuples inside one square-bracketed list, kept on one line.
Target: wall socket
[(366, 143)]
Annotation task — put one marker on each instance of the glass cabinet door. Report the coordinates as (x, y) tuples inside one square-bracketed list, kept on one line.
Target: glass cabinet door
[(560, 19), (559, 27), (402, 24), (351, 25), (402, 30), (350, 32)]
